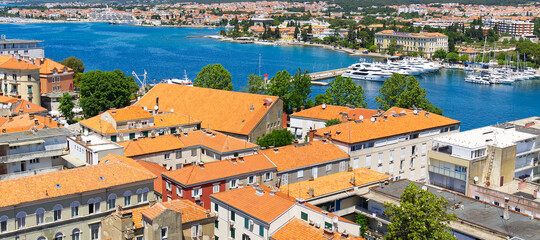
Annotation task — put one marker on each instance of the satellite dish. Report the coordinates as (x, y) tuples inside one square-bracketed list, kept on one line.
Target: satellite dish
[(335, 220), (361, 117), (373, 119), (156, 107), (172, 110), (476, 178), (145, 109)]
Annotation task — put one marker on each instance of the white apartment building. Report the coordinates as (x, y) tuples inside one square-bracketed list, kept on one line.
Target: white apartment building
[(27, 48), (394, 142), (516, 28), (90, 149), (24, 153)]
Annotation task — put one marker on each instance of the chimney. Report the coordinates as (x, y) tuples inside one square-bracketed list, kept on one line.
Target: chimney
[(10, 118), (31, 116), (241, 159), (276, 150), (522, 185), (294, 110), (301, 108), (311, 192), (311, 135), (272, 192), (208, 213), (36, 122), (201, 164), (118, 211), (427, 114), (259, 191), (3, 37), (19, 96), (536, 194)]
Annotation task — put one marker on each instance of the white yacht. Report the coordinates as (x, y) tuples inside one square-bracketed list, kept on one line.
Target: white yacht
[(185, 81)]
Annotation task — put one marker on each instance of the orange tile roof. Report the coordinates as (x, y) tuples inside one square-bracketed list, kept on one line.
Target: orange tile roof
[(211, 139), (334, 112), (157, 170), (354, 132), (20, 106), (47, 66), (25, 122), (134, 113), (298, 229), (13, 63), (4, 58), (265, 207), (333, 183), (189, 210), (213, 171), (78, 180), (296, 156), (226, 111), (136, 215)]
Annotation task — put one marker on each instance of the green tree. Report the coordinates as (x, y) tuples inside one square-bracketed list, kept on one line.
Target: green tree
[(392, 47), (66, 106), (77, 66), (404, 92), (420, 215), (343, 91), (332, 122), (363, 222), (101, 91), (255, 84), (293, 90), (214, 76), (440, 54), (373, 48), (276, 138), (452, 57), (464, 58)]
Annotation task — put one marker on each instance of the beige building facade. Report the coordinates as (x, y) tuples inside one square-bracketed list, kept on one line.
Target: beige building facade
[(424, 42), (20, 79)]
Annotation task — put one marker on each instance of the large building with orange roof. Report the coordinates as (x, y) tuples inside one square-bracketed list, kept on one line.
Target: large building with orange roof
[(316, 117), (70, 203), (258, 212), (54, 77), (243, 115), (196, 183), (175, 151), (133, 122), (26, 122), (20, 78), (394, 142), (424, 42)]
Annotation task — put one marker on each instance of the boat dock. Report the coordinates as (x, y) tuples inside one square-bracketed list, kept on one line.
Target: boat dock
[(326, 75)]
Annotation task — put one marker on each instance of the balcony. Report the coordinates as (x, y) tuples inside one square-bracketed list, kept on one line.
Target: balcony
[(31, 155), (449, 173), (371, 214)]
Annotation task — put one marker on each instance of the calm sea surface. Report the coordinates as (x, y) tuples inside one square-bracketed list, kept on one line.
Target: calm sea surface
[(167, 52)]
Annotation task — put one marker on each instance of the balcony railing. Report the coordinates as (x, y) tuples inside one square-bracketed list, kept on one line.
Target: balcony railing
[(31, 155)]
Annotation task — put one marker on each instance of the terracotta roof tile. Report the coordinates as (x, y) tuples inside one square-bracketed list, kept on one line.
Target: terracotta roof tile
[(211, 139), (334, 112), (20, 106), (354, 132), (265, 207), (13, 63), (295, 156), (333, 183), (298, 229), (213, 171), (221, 110), (25, 122), (49, 185), (189, 210), (129, 113), (157, 170), (47, 66)]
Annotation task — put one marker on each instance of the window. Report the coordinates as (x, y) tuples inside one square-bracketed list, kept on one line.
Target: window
[(94, 232), (402, 153), (304, 216), (179, 191), (233, 183), (113, 138), (328, 225), (268, 176), (517, 209), (261, 230), (164, 233), (3, 224), (477, 197), (233, 215), (196, 231), (197, 192), (127, 198), (76, 234), (460, 169), (178, 154), (251, 180), (168, 186), (401, 164), (173, 130), (232, 233), (216, 224), (39, 216), (356, 163), (75, 209), (178, 166), (328, 167), (342, 166), (300, 173), (142, 195), (216, 207), (59, 236), (111, 201), (57, 212), (167, 156), (216, 188), (193, 152), (131, 135), (368, 161), (246, 223), (423, 148), (285, 179), (314, 172), (21, 220)]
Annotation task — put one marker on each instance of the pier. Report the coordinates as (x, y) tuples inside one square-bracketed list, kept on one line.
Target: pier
[(326, 74)]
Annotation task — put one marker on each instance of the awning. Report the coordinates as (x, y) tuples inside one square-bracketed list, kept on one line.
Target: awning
[(26, 143), (73, 160)]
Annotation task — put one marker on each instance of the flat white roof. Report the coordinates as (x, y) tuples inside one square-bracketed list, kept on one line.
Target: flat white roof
[(482, 137), (97, 143)]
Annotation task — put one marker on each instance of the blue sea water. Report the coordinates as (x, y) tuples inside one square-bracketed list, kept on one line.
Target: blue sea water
[(167, 52)]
